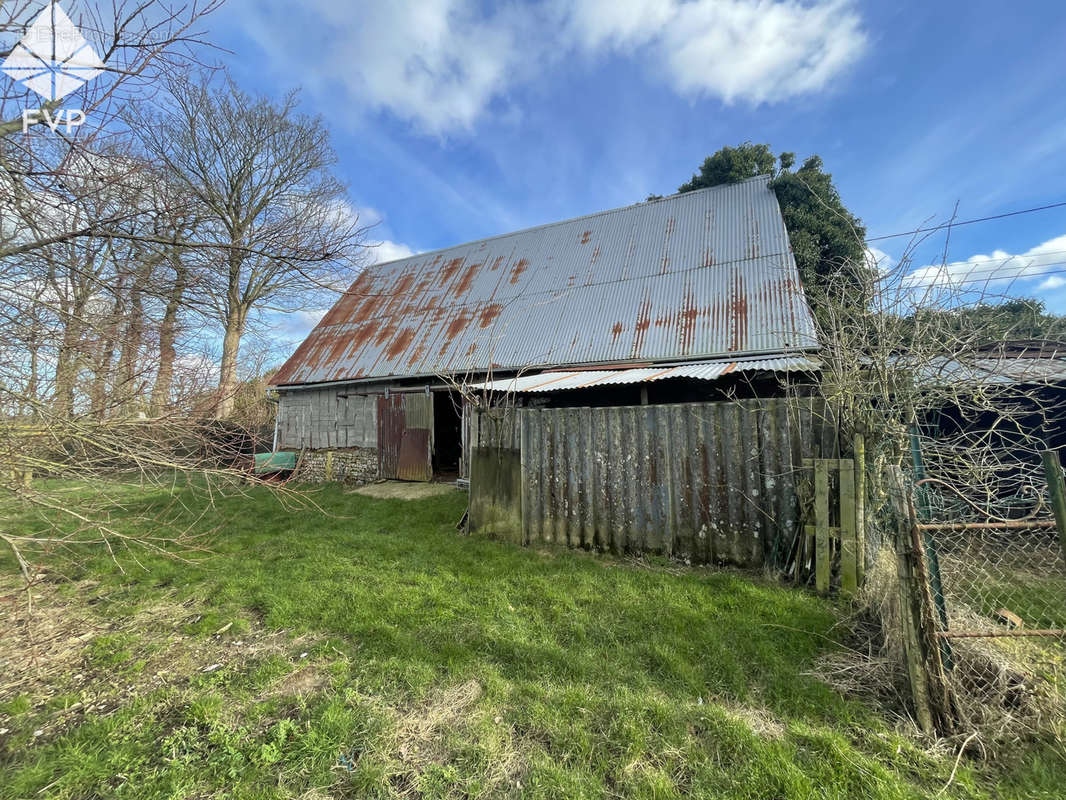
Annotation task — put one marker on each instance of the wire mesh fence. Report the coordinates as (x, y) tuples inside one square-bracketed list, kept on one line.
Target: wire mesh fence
[(997, 579)]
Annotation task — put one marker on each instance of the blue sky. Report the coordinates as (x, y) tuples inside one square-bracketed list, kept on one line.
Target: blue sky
[(456, 119)]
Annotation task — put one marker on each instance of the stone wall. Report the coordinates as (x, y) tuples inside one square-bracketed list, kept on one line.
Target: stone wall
[(355, 465)]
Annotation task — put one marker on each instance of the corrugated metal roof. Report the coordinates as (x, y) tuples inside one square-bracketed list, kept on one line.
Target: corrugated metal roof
[(693, 276), (1003, 370), (560, 380)]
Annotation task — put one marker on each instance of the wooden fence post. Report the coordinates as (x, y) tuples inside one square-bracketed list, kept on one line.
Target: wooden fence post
[(933, 696), (821, 522), (849, 568), (913, 650), (860, 505), (1057, 490)]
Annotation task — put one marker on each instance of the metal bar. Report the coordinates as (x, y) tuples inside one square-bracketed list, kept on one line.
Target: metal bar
[(1057, 490), (998, 634), (986, 526)]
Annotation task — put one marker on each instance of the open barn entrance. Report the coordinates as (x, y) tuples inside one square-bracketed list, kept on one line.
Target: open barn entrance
[(447, 434)]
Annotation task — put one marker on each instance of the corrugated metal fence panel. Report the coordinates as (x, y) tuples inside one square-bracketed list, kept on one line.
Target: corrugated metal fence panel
[(708, 482)]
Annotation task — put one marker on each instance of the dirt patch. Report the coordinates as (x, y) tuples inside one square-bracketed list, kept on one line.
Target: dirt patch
[(304, 681), (761, 721), (421, 735), (60, 649), (419, 726), (404, 490)]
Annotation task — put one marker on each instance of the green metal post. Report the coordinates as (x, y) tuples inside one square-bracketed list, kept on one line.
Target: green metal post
[(1057, 491)]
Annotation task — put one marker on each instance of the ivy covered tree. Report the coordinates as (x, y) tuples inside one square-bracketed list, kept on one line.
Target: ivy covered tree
[(826, 238), (992, 324)]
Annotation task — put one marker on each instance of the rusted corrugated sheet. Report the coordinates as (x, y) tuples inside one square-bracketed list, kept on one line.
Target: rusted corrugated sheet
[(559, 380), (405, 437), (414, 461), (700, 275), (390, 434), (708, 482)]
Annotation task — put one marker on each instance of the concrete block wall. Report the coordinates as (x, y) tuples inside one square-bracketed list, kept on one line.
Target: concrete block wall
[(354, 465)]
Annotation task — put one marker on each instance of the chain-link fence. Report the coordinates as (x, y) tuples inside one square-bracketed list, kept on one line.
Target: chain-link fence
[(996, 573)]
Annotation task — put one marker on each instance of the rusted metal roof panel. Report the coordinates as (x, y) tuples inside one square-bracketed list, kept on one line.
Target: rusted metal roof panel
[(560, 380), (693, 276)]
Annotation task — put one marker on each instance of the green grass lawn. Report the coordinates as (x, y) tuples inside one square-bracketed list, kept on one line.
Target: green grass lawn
[(372, 651)]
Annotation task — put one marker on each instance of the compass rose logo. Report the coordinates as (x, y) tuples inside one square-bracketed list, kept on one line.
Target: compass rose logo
[(53, 57)]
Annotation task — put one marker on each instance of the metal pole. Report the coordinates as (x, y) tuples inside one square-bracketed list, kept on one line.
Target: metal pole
[(1057, 491)]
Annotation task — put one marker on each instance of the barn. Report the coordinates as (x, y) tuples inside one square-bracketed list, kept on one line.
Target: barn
[(648, 330)]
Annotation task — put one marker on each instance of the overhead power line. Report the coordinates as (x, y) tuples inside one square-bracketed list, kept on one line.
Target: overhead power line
[(967, 222)]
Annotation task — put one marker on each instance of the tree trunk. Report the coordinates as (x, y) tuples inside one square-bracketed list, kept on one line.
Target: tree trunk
[(129, 377), (227, 382), (168, 335), (67, 368), (103, 361)]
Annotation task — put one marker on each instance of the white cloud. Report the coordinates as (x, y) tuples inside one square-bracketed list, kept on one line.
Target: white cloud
[(733, 49), (436, 62), (878, 259), (999, 266), (441, 63), (382, 250), (1051, 282), (390, 251)]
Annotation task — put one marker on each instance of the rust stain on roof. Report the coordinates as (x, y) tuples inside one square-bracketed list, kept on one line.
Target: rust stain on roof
[(400, 343), (364, 333), (595, 255), (739, 313), (520, 266), (640, 330), (496, 262), (447, 272), (467, 280), (489, 314), (687, 319), (416, 356), (616, 330), (385, 333), (458, 325), (585, 237)]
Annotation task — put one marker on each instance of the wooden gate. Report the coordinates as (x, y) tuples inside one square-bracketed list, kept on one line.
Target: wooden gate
[(835, 534), (405, 437)]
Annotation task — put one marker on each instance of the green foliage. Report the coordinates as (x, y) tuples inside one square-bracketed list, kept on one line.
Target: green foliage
[(826, 238), (733, 165), (987, 324)]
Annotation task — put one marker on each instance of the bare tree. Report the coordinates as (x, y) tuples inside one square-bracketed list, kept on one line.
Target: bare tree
[(275, 214), (139, 43)]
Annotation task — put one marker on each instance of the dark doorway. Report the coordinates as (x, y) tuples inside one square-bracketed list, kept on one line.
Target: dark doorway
[(447, 434)]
